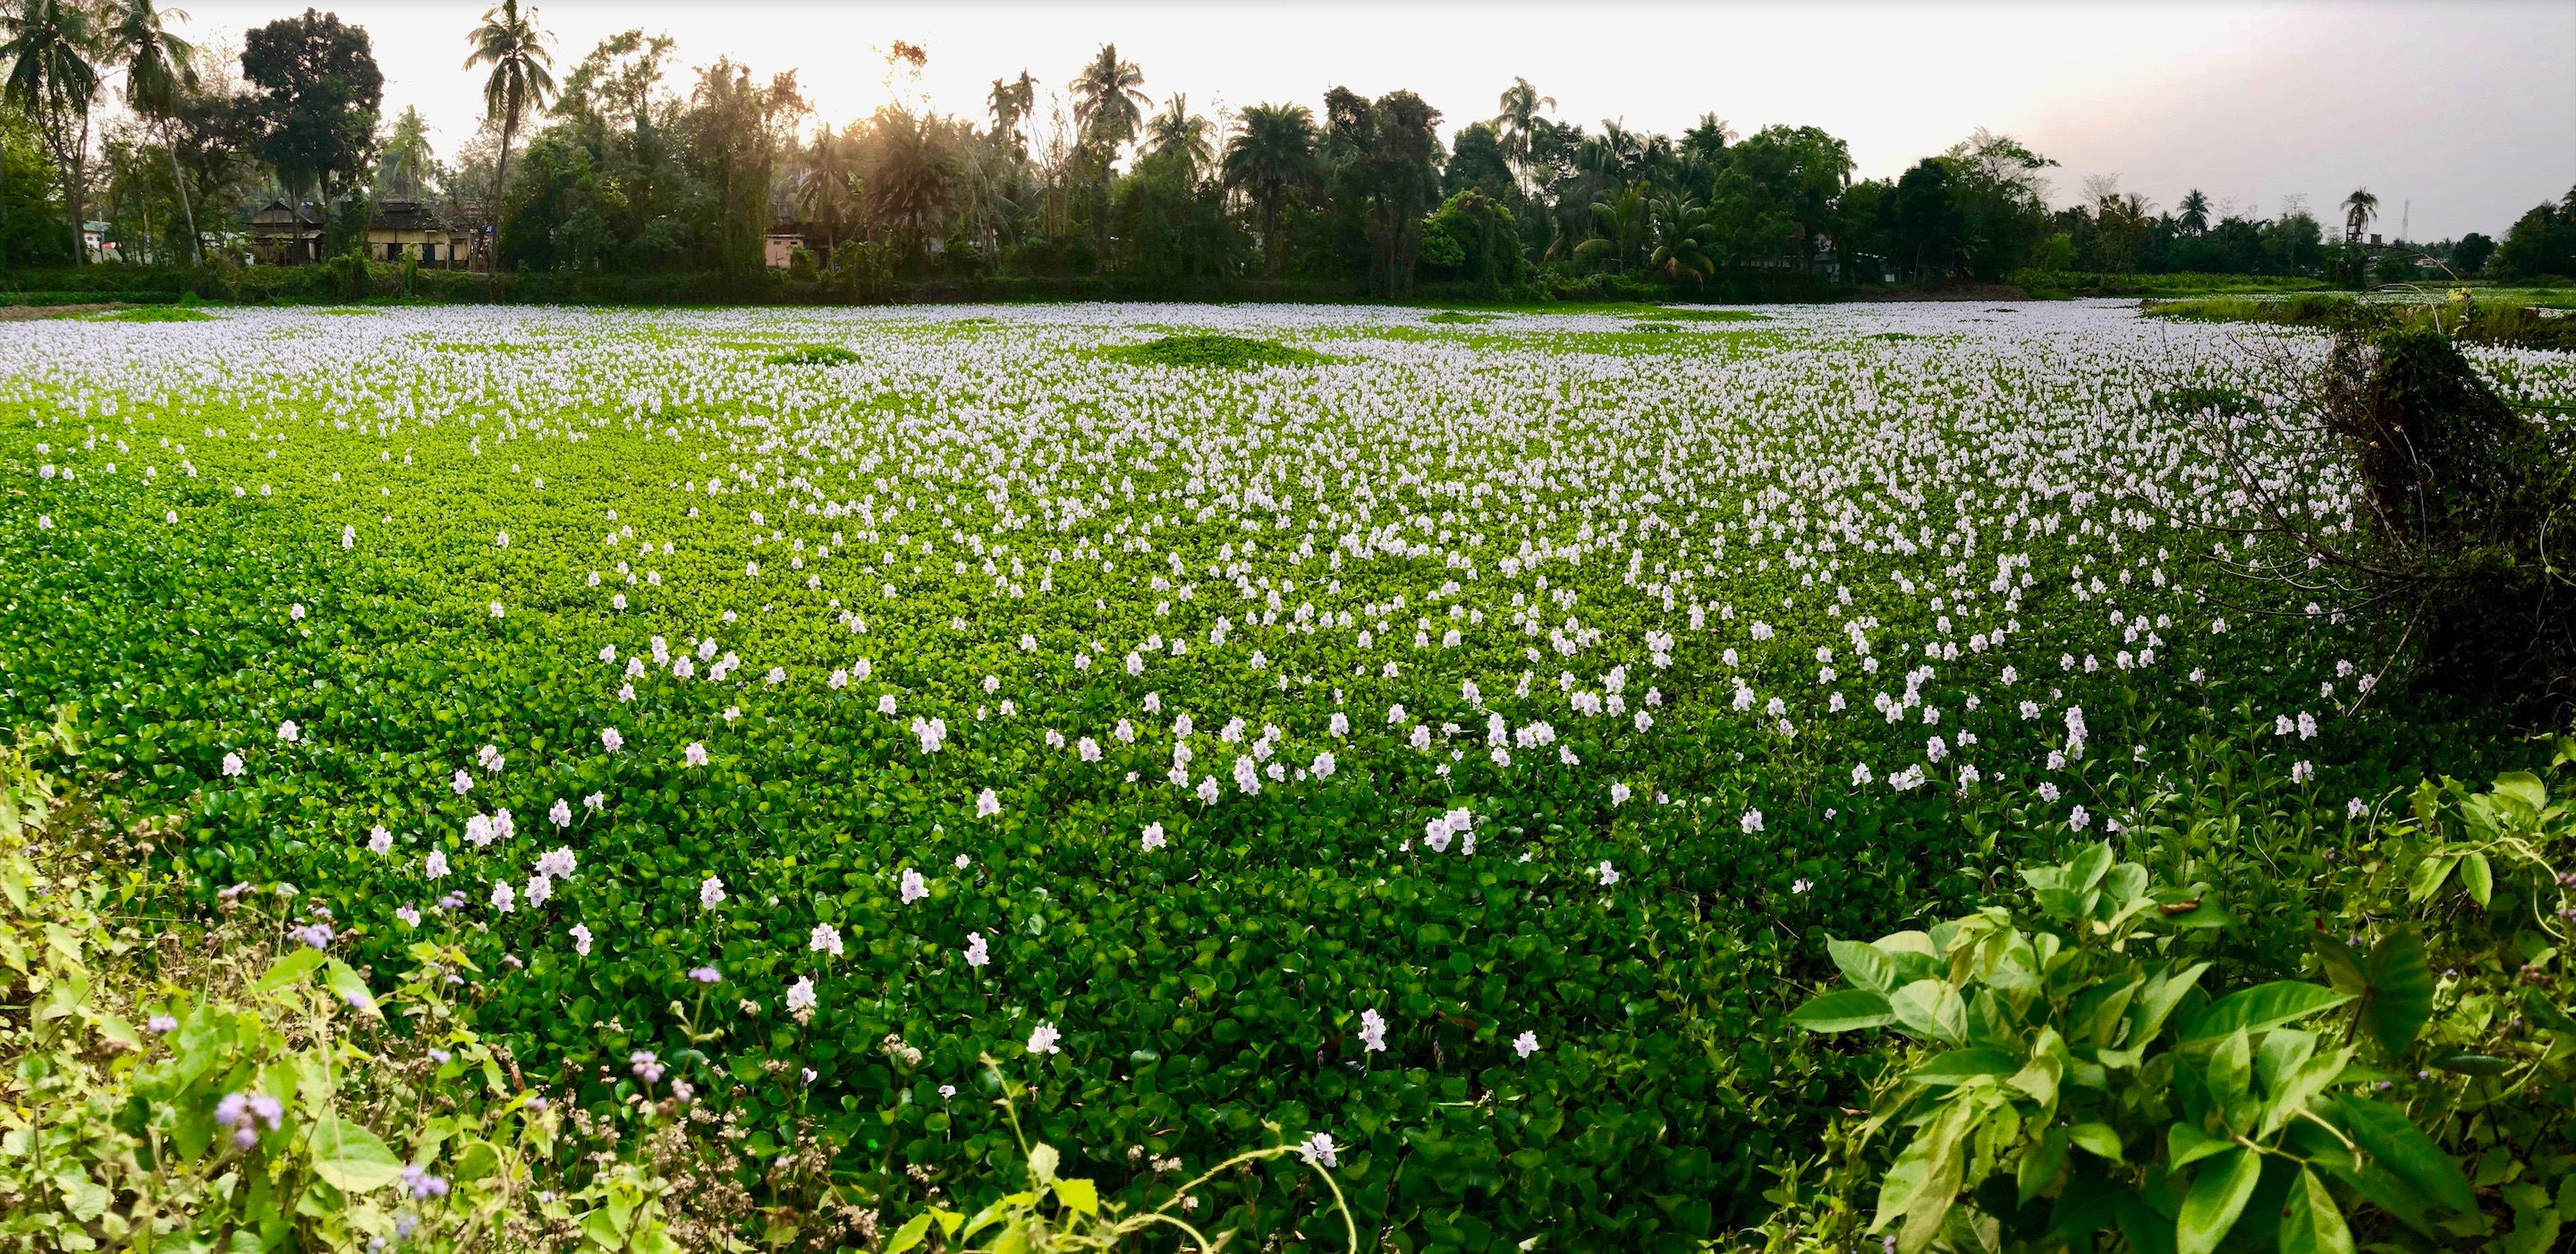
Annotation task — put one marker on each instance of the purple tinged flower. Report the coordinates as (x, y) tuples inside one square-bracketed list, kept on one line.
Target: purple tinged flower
[(706, 975), (1372, 1031), (162, 1024)]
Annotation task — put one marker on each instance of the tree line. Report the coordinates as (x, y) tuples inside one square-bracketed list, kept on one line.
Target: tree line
[(624, 162)]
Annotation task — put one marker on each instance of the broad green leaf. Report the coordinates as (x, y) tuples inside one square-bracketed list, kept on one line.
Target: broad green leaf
[(2525, 787), (2231, 1075), (2260, 1007), (2218, 1195), (1959, 1065), (2040, 1164), (2096, 1138), (349, 1157), (1079, 1196), (2461, 1063), (2397, 1147), (117, 1031), (2088, 867), (2312, 1078), (2185, 1145), (2428, 877), (2477, 877), (1843, 1010), (2395, 986), (1866, 966), (1931, 1009), (1042, 1162), (352, 988), (291, 969), (2312, 1223), (909, 1235), (2157, 1000)]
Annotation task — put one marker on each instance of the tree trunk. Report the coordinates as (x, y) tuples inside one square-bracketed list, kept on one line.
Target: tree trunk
[(196, 246), (492, 214)]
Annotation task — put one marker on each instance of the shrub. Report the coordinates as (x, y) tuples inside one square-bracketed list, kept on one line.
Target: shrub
[(240, 1086), (2067, 1072), (2467, 500)]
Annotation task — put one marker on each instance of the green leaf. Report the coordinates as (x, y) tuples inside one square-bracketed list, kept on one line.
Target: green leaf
[(2218, 1195), (2428, 877), (352, 988), (2525, 787), (1931, 1009), (909, 1235), (1864, 965), (2039, 1166), (1843, 1010), (2231, 1075), (1959, 1065), (2096, 1138), (2260, 1007), (2185, 1145), (2399, 1148), (2396, 991), (2313, 1224), (1079, 1196), (2477, 877), (2473, 1064), (349, 1157), (291, 969), (117, 1031), (1042, 1162)]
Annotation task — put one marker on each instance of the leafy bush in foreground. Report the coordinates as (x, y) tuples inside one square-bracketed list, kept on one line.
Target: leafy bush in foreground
[(2071, 1073)]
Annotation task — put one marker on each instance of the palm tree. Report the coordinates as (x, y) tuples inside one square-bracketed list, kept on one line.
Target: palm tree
[(1178, 134), (51, 77), (1275, 152), (1012, 101), (2358, 209), (1519, 121), (1679, 234), (910, 174), (520, 82), (1706, 140), (159, 74), (2194, 215), (1623, 225), (408, 158), (1107, 105)]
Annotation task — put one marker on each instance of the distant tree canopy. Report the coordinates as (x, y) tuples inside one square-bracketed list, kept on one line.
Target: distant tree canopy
[(319, 90), (2541, 243), (615, 164)]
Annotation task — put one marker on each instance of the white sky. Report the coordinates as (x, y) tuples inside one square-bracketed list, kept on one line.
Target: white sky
[(2459, 115)]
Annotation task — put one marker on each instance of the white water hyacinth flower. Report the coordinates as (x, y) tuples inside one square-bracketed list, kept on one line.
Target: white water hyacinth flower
[(824, 939)]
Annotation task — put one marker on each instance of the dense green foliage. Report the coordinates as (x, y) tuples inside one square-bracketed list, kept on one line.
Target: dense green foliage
[(626, 168), (2075, 1068), (1215, 352), (407, 571)]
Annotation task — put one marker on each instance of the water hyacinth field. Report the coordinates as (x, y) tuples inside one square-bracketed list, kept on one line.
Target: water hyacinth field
[(1452, 744)]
